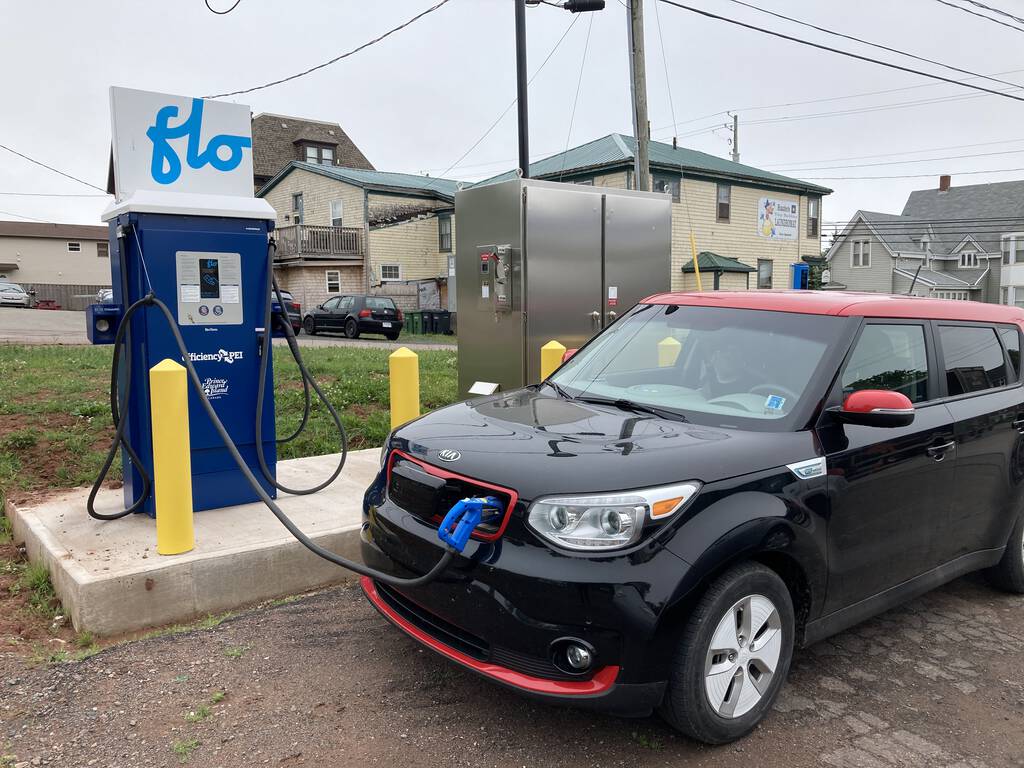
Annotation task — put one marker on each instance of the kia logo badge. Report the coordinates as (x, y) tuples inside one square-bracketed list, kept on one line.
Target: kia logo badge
[(449, 454)]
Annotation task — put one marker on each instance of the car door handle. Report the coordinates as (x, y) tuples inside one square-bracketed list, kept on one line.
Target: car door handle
[(938, 452), (1018, 425)]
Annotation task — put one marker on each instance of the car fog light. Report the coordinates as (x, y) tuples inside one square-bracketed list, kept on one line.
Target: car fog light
[(102, 325), (577, 656)]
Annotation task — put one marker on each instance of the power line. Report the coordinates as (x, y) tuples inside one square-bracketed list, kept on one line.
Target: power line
[(901, 162), (23, 216), (910, 176), (51, 168), (839, 51), (664, 61), (336, 59), (873, 45), (778, 164), (222, 13), (996, 10), (979, 15), (50, 194), (576, 98)]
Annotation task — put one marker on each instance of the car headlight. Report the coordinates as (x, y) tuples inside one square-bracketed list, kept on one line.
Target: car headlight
[(608, 520)]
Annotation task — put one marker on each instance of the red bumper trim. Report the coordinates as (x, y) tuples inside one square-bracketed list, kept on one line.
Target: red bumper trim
[(602, 680)]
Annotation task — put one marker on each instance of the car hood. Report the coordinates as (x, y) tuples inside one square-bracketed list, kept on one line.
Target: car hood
[(538, 444)]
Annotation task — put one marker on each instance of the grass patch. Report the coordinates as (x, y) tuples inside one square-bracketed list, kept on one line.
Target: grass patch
[(645, 741), (35, 581), (184, 748), (61, 423), (207, 622), (218, 697), (236, 651), (198, 714), (6, 533)]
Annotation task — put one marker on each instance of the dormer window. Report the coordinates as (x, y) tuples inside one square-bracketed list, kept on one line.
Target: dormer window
[(318, 155), (968, 260)]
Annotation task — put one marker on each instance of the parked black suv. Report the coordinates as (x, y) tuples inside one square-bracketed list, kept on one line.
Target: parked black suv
[(712, 481), (353, 315)]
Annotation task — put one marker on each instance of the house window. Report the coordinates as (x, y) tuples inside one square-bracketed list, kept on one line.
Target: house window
[(1013, 248), (724, 199), (444, 233), (390, 272), (297, 207), (952, 295), (968, 260), (103, 250), (336, 210), (860, 253), (1004, 295), (74, 247), (813, 206), (764, 273), (667, 183), (333, 280), (584, 182), (319, 155)]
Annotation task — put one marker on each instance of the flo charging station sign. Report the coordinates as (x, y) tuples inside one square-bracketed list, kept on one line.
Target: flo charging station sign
[(167, 143)]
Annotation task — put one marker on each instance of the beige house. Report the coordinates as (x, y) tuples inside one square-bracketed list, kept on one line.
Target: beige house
[(742, 214), (66, 263), (350, 230)]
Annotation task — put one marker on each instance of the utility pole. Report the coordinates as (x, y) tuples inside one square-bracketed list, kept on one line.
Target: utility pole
[(638, 83), (524, 127), (735, 138)]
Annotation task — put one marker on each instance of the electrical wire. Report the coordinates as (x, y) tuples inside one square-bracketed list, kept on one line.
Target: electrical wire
[(839, 51), (869, 43), (911, 175), (222, 13), (576, 98), (664, 61), (778, 164), (1001, 12), (51, 168), (336, 59), (23, 216), (512, 103), (51, 194), (979, 15), (902, 162)]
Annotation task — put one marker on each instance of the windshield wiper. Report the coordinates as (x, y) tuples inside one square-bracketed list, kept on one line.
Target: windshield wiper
[(629, 405), (559, 390)]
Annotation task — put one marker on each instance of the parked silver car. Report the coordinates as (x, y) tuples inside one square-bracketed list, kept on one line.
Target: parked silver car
[(13, 295)]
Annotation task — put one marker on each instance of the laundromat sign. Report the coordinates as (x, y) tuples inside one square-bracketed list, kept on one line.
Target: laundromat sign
[(172, 143), (778, 219)]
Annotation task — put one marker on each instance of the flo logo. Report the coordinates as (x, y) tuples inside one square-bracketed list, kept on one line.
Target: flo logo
[(165, 166), (220, 356)]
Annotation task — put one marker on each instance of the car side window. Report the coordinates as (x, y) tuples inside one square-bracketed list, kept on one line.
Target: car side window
[(889, 357), (973, 357), (332, 303), (346, 303), (1011, 340)]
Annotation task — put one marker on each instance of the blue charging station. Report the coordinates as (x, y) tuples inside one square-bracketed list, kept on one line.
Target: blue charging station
[(800, 275), (213, 271)]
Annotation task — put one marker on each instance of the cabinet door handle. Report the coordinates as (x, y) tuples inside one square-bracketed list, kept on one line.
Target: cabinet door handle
[(1018, 425), (938, 452)]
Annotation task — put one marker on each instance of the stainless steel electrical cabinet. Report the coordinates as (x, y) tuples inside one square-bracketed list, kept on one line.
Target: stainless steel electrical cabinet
[(538, 260)]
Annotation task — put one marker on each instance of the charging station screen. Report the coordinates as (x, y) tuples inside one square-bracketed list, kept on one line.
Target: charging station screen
[(209, 278)]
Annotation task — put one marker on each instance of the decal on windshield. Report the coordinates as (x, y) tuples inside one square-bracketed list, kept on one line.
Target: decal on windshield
[(774, 402)]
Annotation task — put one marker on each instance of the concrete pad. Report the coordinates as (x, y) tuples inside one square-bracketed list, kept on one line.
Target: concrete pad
[(111, 580)]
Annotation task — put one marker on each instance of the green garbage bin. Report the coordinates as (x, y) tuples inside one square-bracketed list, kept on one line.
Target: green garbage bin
[(415, 322)]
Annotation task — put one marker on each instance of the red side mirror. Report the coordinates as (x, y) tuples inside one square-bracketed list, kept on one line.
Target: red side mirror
[(876, 408), (569, 353)]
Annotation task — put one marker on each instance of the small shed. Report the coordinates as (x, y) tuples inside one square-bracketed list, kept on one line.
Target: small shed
[(724, 273)]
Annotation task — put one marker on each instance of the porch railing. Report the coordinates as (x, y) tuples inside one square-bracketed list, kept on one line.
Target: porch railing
[(305, 240)]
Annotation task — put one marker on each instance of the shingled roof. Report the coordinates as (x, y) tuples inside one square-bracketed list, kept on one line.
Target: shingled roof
[(274, 140), (381, 181), (53, 230), (616, 150)]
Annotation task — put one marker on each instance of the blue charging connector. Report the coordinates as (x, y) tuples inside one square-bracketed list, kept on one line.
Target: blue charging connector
[(466, 515)]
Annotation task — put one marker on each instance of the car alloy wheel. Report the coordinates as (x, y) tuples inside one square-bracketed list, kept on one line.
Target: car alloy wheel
[(352, 329), (310, 325), (743, 656)]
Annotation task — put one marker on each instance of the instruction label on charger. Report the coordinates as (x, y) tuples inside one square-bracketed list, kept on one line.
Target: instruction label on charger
[(209, 288)]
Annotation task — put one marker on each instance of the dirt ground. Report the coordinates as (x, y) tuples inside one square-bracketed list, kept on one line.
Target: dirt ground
[(325, 681)]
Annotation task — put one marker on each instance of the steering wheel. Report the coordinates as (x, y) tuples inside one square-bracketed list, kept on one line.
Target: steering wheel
[(775, 389)]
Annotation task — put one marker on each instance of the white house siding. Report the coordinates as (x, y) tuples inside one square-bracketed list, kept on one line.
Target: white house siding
[(317, 193), (308, 284), (46, 266), (877, 277)]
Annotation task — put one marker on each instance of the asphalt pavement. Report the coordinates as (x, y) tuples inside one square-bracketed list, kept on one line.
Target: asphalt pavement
[(325, 681), (38, 326)]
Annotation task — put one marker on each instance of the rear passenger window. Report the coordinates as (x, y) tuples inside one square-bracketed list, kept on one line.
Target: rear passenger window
[(1011, 340), (889, 357), (974, 359)]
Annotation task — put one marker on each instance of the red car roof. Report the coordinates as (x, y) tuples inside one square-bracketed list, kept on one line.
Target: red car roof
[(847, 303)]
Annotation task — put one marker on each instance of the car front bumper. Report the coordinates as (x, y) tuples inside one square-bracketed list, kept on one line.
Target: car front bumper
[(502, 610)]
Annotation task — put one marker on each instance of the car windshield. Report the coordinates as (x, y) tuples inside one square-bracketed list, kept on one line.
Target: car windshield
[(11, 288), (726, 367)]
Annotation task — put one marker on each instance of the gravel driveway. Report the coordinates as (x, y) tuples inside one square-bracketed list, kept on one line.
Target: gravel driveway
[(324, 681)]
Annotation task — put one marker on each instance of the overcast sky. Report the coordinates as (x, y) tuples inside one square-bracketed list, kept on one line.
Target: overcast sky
[(417, 101)]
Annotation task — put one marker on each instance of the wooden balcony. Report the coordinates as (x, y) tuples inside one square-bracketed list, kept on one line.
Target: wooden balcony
[(310, 243)]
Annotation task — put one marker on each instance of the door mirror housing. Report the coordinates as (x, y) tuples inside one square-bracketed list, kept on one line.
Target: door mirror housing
[(319, 306), (875, 408)]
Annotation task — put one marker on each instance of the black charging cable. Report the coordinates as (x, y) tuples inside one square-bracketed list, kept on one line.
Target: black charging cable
[(197, 385)]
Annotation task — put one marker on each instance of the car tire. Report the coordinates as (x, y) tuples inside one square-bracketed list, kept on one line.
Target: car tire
[(310, 325), (1008, 574), (351, 329), (717, 707)]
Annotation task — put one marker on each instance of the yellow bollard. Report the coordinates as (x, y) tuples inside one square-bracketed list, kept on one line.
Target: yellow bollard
[(172, 463), (668, 352), (404, 369), (550, 358)]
